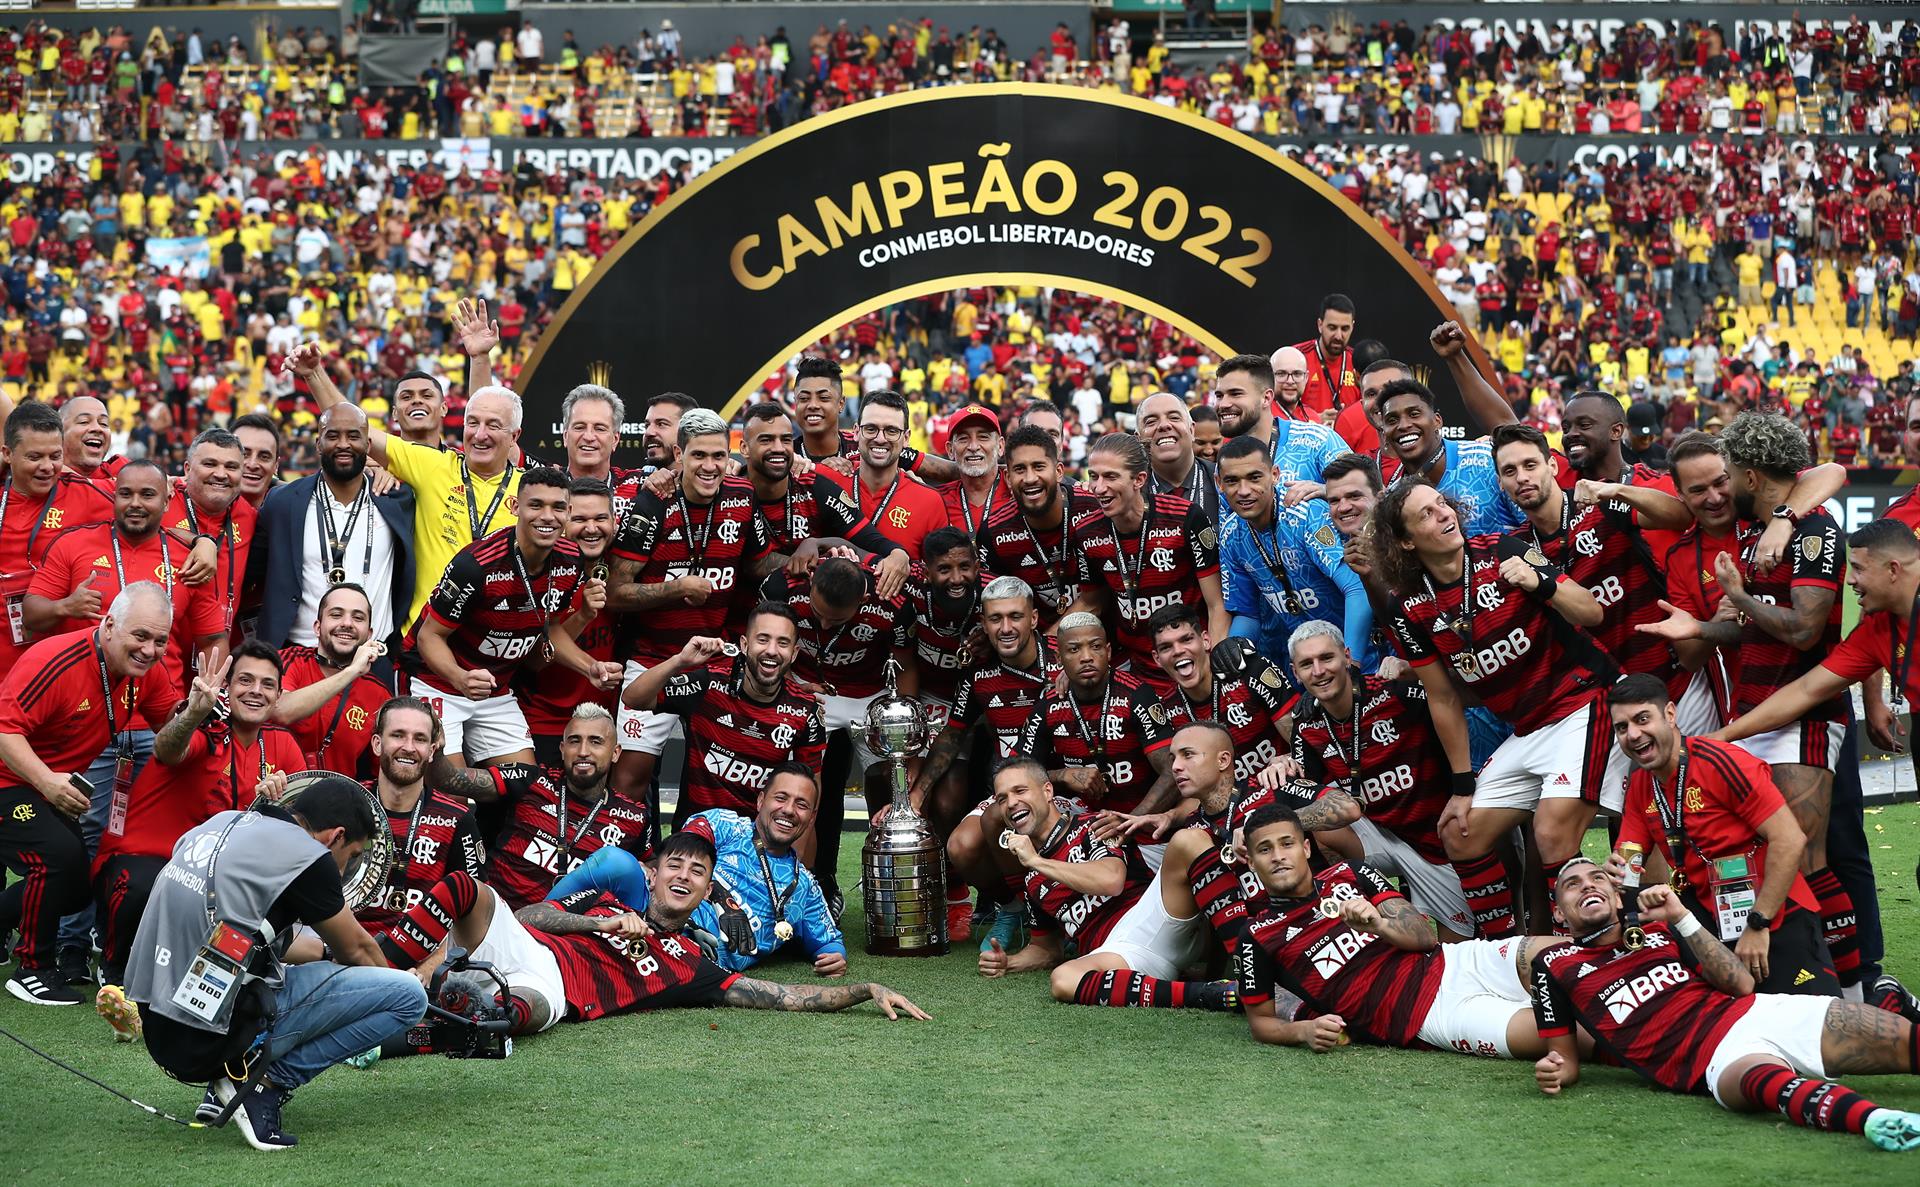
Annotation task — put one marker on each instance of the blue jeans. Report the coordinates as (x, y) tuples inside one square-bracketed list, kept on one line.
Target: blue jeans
[(328, 1012), (76, 930)]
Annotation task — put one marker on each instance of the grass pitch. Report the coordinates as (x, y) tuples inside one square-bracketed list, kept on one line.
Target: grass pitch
[(1003, 1087)]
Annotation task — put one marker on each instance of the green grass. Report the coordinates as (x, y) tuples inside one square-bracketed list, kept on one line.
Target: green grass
[(1004, 1086)]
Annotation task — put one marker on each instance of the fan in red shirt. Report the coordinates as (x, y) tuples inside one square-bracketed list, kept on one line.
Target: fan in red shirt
[(37, 503), (1679, 1009), (199, 768), (328, 701), (60, 708), (1332, 381)]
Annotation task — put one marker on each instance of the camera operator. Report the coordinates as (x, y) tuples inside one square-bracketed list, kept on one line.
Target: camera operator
[(232, 893)]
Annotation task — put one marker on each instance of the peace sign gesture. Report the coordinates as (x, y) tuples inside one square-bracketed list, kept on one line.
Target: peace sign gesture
[(206, 689)]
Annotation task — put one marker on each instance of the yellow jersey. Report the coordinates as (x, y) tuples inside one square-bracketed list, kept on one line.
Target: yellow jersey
[(444, 508)]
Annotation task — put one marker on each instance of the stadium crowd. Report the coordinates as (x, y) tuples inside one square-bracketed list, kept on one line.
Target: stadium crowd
[(1257, 689)]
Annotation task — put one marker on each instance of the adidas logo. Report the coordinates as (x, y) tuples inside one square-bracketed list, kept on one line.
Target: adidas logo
[(1292, 932), (725, 719), (1031, 561), (993, 702), (84, 705), (1561, 780), (1802, 977), (505, 604), (101, 562), (1584, 970)]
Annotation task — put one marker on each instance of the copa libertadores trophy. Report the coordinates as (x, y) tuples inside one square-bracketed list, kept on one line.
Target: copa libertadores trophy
[(904, 863)]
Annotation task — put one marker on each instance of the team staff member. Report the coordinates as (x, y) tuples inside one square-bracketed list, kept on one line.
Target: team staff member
[(1165, 426), (973, 442), (458, 496), (60, 708), (328, 529), (1696, 802), (37, 502), (206, 504), (898, 505), (328, 698), (1331, 374)]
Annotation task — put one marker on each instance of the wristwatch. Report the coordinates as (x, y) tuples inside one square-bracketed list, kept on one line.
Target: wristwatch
[(1783, 511), (1755, 920)]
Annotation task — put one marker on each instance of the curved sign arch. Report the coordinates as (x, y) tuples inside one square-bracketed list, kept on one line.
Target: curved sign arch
[(953, 187)]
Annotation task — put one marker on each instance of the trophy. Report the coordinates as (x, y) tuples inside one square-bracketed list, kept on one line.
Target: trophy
[(903, 865)]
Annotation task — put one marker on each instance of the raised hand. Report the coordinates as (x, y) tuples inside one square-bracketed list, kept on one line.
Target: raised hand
[(84, 601), (477, 333), (205, 692)]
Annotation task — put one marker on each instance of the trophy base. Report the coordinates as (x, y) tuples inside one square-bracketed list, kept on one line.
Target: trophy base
[(905, 898), (907, 946)]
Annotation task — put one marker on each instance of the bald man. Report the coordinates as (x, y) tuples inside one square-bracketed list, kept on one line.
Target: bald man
[(85, 434), (1167, 428)]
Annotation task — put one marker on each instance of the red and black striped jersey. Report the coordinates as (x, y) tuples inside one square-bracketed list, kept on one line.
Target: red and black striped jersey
[(846, 659), (1528, 665), (1650, 1009), (722, 541), (1382, 992), (1248, 705), (1045, 558), (545, 837), (940, 634), (1816, 558), (496, 609), (431, 840), (734, 741), (1222, 891), (815, 507), (334, 737), (605, 974), (549, 696), (1118, 732), (1004, 696), (1084, 918), (1602, 548), (1404, 778), (1160, 563)]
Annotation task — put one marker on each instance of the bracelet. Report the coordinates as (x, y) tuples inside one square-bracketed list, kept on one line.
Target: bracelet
[(1687, 926)]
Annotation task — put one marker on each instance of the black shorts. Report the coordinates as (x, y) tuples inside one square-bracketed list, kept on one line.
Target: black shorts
[(1797, 958)]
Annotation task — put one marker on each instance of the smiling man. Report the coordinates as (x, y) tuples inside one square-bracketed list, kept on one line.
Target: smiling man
[(1032, 538), (207, 505), (591, 417), (548, 695), (973, 443), (1167, 428), (1243, 395), (86, 434), (328, 699), (37, 496)]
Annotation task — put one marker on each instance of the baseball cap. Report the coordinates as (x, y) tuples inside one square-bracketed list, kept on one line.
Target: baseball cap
[(975, 412), (1642, 419)]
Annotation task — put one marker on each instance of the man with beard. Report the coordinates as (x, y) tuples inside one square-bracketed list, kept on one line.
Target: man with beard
[(328, 529), (1680, 1009), (1244, 693), (1283, 566), (259, 439), (681, 566), (1137, 552), (1705, 486), (744, 712), (662, 426), (459, 496), (206, 505), (757, 873), (1243, 396), (502, 598), (819, 398), (34, 497), (1788, 621), (86, 432), (51, 730), (973, 442), (548, 694), (199, 768), (1176, 467), (1001, 690), (898, 505), (1368, 746), (1331, 374), (328, 698), (1032, 538), (814, 508)]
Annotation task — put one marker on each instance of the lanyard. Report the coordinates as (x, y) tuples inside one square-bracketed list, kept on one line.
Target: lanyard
[(1290, 599), (227, 534), (966, 620), (1037, 677), (1131, 578), (1672, 819), (1049, 561), (696, 557), (233, 763), (886, 499), (780, 898), (1333, 388), (1462, 623), (1097, 739), (534, 601), (560, 819), (986, 511), (1213, 700), (336, 544), (474, 518), (166, 559), (785, 531), (1333, 735), (404, 845), (106, 690), (1566, 521), (1903, 651), (39, 521)]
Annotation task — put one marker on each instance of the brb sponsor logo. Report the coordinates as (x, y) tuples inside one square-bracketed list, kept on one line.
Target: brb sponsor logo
[(1497, 655), (1387, 783), (728, 767), (1630, 995), (1331, 955)]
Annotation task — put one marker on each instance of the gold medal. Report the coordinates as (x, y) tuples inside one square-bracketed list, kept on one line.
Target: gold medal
[(598, 572), (1227, 853), (1636, 938), (1468, 665), (1006, 838), (783, 931), (1328, 908), (336, 576)]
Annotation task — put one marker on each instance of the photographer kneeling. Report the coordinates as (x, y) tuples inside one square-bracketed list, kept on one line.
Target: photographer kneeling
[(230, 896)]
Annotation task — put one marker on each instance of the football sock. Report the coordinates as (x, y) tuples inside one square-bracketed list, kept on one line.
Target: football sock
[(1803, 1100), (422, 927), (1489, 894), (1838, 920), (1124, 987)]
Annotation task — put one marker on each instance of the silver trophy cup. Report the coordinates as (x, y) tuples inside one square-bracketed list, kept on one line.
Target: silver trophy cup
[(904, 863)]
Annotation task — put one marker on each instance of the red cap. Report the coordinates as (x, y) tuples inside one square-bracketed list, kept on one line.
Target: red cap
[(974, 412)]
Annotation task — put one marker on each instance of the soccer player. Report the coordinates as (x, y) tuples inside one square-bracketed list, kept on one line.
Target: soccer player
[(502, 598), (1789, 620), (35, 497), (681, 565), (1243, 397), (1330, 369), (1033, 537), (1245, 693), (1104, 739), (799, 509), (1414, 449), (1508, 625), (1366, 963), (1206, 853), (660, 426), (946, 614), (745, 713), (757, 872), (1368, 745), (548, 694), (1137, 553), (1698, 803), (898, 505), (1679, 1008), (1166, 426), (592, 955), (327, 699), (1283, 566)]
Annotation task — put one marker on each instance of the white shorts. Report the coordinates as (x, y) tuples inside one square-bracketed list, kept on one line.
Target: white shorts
[(1574, 758), (1154, 942), (1697, 712), (527, 965), (482, 730), (1809, 743), (1480, 992), (1787, 1026), (939, 711), (850, 714), (643, 729), (1436, 888)]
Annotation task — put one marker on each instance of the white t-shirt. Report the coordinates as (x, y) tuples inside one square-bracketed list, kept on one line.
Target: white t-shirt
[(876, 377), (375, 575)]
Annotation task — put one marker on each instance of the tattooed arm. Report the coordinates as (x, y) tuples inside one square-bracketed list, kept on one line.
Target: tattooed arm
[(1334, 809), (749, 994), (939, 760), (1715, 960), (1160, 796), (1393, 919), (555, 922)]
